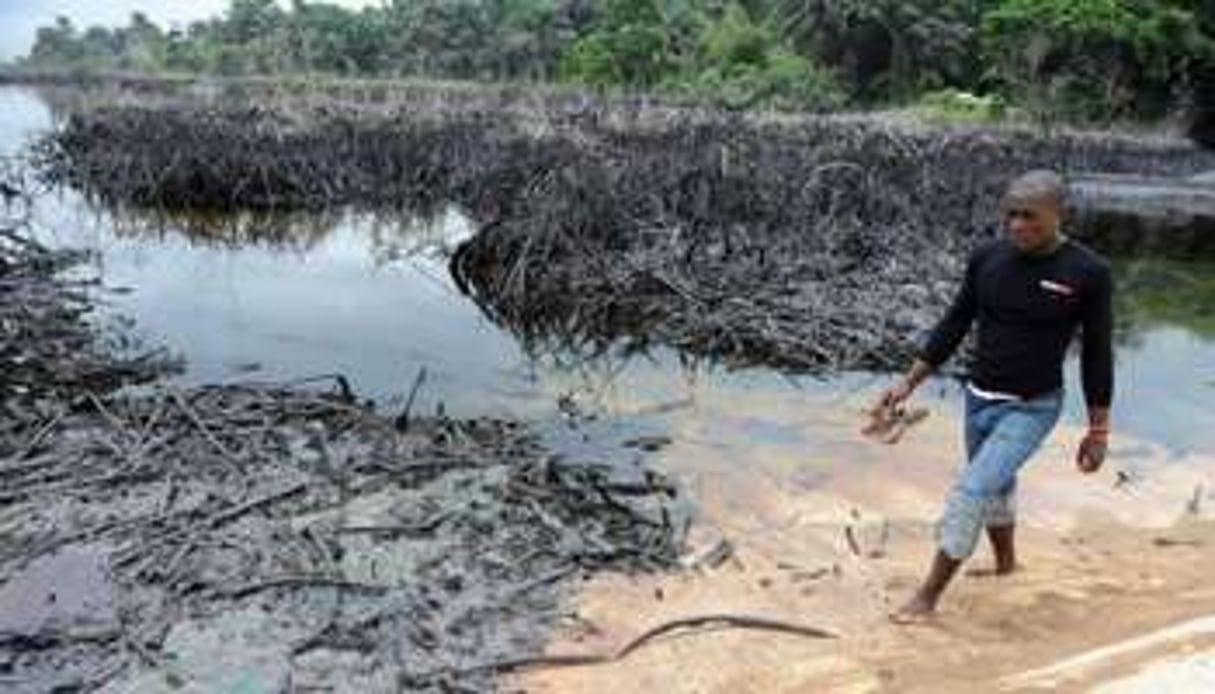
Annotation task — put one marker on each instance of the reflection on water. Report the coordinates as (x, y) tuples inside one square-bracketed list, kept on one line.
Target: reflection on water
[(389, 237), (1166, 353), (356, 294), (283, 296), (1155, 293)]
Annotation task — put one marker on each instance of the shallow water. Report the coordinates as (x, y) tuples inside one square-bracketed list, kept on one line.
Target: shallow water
[(369, 296)]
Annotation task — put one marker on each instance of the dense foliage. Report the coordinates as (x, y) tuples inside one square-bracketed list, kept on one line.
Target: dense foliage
[(1093, 58), (1081, 59)]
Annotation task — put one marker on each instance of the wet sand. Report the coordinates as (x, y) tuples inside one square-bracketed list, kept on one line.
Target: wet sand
[(1105, 558)]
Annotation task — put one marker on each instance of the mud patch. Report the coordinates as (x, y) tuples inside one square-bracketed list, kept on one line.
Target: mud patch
[(63, 591), (244, 537)]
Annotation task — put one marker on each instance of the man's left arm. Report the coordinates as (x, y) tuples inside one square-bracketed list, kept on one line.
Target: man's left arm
[(1097, 369)]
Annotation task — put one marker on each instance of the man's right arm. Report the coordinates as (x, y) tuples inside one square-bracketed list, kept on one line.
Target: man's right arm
[(947, 335), (944, 338)]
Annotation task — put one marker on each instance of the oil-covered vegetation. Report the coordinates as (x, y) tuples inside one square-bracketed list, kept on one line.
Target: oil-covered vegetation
[(808, 243), (1077, 59), (397, 551)]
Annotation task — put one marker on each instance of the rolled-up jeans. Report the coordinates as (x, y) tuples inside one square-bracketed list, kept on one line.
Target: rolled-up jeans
[(1001, 435)]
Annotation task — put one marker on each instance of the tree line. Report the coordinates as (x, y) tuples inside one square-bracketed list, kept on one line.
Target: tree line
[(1078, 59)]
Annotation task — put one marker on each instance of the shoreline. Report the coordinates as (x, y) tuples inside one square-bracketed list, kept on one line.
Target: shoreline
[(1130, 552), (527, 97)]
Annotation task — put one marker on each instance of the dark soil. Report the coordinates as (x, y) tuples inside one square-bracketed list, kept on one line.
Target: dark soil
[(392, 552)]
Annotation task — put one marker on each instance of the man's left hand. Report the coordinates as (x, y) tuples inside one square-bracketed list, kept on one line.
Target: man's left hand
[(1092, 452)]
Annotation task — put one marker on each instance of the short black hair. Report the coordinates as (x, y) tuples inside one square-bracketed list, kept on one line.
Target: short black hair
[(1039, 183)]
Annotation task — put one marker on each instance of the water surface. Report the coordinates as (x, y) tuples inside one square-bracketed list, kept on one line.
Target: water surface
[(369, 296)]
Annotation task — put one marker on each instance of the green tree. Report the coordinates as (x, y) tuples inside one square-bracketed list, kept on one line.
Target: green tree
[(744, 63), (1094, 59), (527, 39), (629, 46), (100, 47), (329, 38), (247, 21), (145, 46), (887, 48), (56, 45), (1076, 59)]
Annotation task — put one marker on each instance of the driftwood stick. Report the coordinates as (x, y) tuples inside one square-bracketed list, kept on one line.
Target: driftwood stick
[(402, 421), (703, 622), (41, 434), (202, 427), (118, 424), (299, 582), (215, 520), (226, 454), (29, 465), (44, 640), (542, 580), (145, 432)]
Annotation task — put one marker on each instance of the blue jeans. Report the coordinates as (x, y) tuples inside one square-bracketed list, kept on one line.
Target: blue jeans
[(1001, 435)]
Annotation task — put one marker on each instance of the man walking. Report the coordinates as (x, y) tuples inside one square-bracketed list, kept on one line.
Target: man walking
[(1027, 293)]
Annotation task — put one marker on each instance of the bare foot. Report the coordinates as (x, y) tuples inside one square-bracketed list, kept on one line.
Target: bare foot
[(918, 610), (991, 572)]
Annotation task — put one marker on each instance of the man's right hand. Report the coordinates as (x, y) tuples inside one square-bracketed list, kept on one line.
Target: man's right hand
[(882, 416), (895, 395), (883, 410)]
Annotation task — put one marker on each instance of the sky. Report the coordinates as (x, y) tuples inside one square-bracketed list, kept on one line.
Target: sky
[(19, 19)]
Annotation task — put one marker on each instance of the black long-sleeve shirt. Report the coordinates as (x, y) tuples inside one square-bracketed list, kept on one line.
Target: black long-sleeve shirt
[(1028, 309)]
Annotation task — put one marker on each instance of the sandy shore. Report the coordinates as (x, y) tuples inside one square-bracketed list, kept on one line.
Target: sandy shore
[(1108, 562)]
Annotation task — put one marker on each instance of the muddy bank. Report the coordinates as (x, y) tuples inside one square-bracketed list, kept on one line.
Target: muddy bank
[(838, 531), (250, 536), (1137, 214), (808, 244)]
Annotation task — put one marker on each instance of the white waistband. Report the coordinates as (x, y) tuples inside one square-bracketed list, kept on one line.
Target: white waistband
[(990, 395)]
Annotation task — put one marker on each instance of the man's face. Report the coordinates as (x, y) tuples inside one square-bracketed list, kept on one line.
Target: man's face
[(1031, 222)]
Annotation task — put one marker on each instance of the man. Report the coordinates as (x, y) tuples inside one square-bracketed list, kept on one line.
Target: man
[(1028, 294)]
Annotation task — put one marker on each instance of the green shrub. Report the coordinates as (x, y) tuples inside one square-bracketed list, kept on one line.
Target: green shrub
[(743, 63), (629, 48), (955, 105), (1093, 59)]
